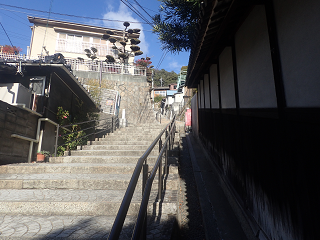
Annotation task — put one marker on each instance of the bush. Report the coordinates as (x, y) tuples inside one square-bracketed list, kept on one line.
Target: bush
[(158, 98), (69, 140)]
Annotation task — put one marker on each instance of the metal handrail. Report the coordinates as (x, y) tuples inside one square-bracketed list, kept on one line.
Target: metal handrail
[(113, 126), (140, 223), (122, 213)]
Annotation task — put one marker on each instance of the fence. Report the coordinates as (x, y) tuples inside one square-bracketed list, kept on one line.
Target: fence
[(100, 66), (7, 56), (67, 45), (88, 65)]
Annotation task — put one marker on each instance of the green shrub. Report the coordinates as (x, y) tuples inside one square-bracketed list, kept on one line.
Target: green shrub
[(158, 98)]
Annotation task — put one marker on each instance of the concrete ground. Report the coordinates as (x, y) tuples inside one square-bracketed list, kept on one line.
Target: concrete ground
[(212, 214)]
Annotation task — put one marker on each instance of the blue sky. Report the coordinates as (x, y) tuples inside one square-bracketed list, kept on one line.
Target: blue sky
[(15, 22)]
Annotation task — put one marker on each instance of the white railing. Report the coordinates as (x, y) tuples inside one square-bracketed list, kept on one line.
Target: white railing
[(8, 56), (97, 66), (89, 65), (71, 46)]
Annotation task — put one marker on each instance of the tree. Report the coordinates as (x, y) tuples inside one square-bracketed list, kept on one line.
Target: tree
[(123, 53), (145, 62), (167, 77), (11, 50), (176, 24), (91, 53)]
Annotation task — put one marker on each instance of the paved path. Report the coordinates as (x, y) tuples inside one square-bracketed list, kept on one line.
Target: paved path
[(59, 227)]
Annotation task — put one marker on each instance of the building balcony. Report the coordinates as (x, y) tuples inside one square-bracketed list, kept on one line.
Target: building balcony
[(71, 46)]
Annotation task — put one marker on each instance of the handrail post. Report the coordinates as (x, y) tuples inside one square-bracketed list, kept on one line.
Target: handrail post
[(160, 145), (166, 152), (169, 137), (56, 143), (94, 129), (112, 124), (144, 182), (160, 181)]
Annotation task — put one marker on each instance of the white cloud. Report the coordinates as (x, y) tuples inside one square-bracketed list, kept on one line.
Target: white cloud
[(124, 14), (175, 66)]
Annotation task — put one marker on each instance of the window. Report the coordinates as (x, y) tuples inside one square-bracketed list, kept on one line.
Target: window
[(74, 43), (37, 85)]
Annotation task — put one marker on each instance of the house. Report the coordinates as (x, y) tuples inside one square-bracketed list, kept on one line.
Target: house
[(160, 91), (39, 89), (182, 78), (172, 86), (71, 39), (256, 67), (53, 37)]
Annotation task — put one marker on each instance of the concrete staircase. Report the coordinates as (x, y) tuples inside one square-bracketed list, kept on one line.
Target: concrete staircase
[(78, 196)]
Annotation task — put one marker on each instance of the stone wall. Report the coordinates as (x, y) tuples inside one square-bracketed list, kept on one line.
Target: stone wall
[(14, 120), (134, 92)]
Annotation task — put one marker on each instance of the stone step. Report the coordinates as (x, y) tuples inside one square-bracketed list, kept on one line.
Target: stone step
[(137, 153), (75, 181), (129, 142), (114, 147), (73, 168), (140, 129), (127, 138), (72, 202), (140, 132), (99, 159)]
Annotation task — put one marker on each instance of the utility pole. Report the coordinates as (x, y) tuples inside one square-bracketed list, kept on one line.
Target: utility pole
[(161, 81)]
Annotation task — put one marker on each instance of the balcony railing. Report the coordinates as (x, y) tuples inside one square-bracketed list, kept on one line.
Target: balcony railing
[(71, 46), (89, 65), (97, 66), (8, 56)]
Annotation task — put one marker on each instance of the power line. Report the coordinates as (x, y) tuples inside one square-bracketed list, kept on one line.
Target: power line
[(143, 8), (148, 9), (69, 15), (14, 18), (133, 9), (160, 60), (45, 33), (42, 17), (164, 54), (6, 33)]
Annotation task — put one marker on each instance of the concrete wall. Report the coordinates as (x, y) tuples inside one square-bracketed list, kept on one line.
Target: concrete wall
[(178, 97), (298, 35), (14, 120), (206, 91), (226, 79), (194, 114), (201, 95), (254, 66), (13, 93), (214, 86), (134, 92)]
